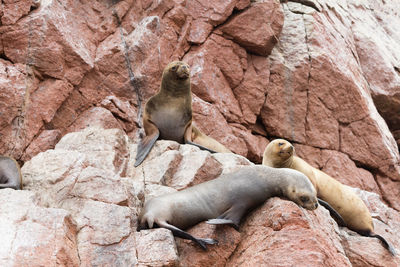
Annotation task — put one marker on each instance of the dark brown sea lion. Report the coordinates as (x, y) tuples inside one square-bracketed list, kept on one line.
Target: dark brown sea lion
[(226, 199), (10, 173), (350, 207), (168, 114)]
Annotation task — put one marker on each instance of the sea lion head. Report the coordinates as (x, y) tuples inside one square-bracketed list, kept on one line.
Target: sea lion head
[(277, 153), (301, 191), (177, 70)]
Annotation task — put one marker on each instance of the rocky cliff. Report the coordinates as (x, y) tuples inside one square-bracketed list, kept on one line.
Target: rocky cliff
[(323, 74), (82, 199)]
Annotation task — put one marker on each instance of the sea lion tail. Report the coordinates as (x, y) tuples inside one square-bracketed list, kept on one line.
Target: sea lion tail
[(385, 243)]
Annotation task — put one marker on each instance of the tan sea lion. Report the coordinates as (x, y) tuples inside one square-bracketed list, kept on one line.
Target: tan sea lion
[(226, 199), (10, 173), (168, 114), (280, 154)]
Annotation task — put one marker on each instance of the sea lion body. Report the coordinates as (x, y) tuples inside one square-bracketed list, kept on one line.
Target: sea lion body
[(168, 114), (351, 209), (227, 198), (10, 173), (171, 115)]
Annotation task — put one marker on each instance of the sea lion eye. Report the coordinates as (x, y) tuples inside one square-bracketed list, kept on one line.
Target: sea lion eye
[(280, 144), (174, 67), (304, 199)]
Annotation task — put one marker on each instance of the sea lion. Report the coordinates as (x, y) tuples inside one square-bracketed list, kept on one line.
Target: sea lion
[(168, 114), (355, 215), (225, 199), (10, 173)]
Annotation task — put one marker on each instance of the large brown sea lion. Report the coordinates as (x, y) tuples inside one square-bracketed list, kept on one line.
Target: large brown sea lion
[(226, 199), (168, 114), (280, 154), (10, 173)]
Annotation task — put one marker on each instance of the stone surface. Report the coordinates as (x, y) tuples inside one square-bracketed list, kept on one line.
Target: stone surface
[(257, 28), (89, 178), (33, 235), (330, 84)]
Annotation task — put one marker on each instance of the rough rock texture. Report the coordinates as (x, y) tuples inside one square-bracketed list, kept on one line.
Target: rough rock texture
[(82, 199), (323, 74)]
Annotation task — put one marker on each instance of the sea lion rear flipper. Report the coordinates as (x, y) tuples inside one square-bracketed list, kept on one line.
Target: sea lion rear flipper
[(205, 142), (381, 238), (146, 143), (202, 242), (200, 146), (332, 212)]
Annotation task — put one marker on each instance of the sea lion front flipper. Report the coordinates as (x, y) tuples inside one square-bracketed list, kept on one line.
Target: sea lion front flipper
[(232, 216), (147, 142), (202, 242), (223, 221), (332, 212)]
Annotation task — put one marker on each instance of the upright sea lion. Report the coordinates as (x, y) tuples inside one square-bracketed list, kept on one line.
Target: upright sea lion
[(168, 114), (226, 199), (280, 154), (10, 173)]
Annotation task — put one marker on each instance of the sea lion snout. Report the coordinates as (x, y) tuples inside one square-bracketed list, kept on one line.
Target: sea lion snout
[(183, 71)]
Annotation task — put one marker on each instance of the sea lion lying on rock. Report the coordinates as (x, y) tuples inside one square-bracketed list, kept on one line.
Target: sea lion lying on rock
[(10, 173), (225, 200), (168, 114), (352, 211)]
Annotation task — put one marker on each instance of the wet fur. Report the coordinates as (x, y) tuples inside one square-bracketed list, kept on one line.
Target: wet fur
[(10, 173)]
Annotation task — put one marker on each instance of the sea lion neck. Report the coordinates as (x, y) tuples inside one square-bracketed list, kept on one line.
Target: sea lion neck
[(175, 87)]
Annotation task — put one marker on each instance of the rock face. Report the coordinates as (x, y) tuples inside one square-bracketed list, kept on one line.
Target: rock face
[(308, 71), (323, 74), (82, 199)]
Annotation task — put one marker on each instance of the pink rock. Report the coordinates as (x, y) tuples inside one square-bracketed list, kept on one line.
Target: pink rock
[(190, 254), (280, 226), (95, 117), (251, 91), (46, 140), (199, 31), (214, 12), (156, 247), (34, 235), (43, 104), (202, 168), (12, 103), (211, 122), (56, 25), (12, 11), (257, 28), (211, 77)]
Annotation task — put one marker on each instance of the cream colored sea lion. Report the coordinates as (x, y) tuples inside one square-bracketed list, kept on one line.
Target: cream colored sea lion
[(280, 154), (168, 114), (226, 199), (10, 173)]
